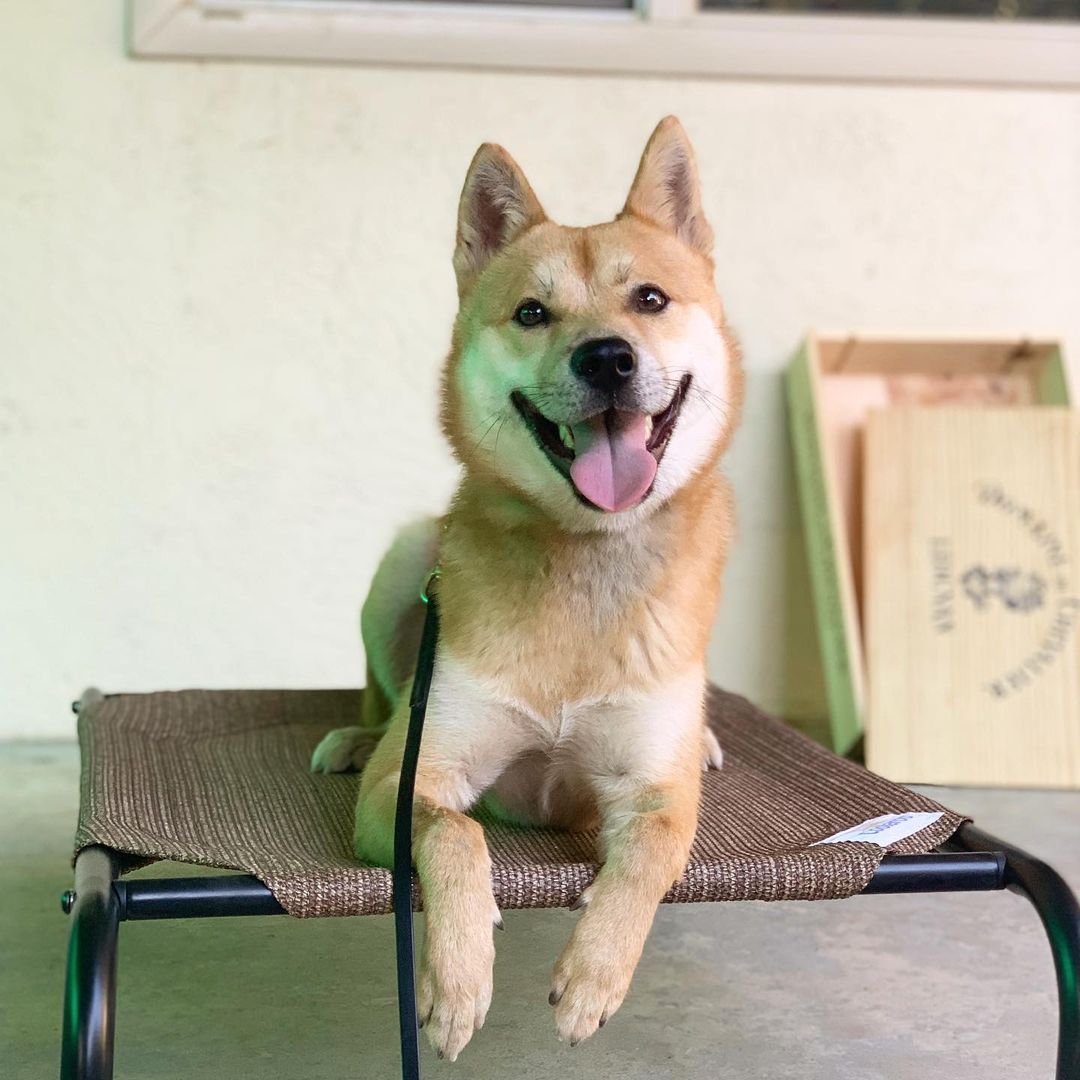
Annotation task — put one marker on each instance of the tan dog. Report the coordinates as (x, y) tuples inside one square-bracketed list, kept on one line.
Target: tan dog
[(591, 387)]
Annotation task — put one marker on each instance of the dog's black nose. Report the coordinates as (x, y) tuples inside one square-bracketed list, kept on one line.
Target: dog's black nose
[(604, 363)]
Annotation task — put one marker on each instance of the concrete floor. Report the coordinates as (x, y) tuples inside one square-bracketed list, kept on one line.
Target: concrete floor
[(897, 988)]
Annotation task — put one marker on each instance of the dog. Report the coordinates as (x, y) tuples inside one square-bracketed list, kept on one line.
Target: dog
[(591, 387)]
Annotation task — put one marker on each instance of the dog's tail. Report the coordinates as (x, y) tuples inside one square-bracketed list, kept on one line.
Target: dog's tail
[(392, 619), (376, 707)]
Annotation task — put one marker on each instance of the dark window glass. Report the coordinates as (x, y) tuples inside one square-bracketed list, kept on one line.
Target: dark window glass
[(976, 9)]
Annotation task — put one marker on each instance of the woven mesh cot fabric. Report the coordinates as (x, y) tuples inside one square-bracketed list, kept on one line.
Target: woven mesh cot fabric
[(220, 778)]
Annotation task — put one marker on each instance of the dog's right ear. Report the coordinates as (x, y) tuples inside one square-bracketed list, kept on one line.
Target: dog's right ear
[(496, 206), (667, 191)]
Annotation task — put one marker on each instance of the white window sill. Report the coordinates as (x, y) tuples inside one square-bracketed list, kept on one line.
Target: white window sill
[(668, 37)]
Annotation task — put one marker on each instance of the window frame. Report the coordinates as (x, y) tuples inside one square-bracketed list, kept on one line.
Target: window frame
[(655, 37)]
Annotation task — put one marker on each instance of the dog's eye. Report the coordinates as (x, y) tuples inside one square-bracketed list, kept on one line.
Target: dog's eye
[(530, 313), (650, 299)]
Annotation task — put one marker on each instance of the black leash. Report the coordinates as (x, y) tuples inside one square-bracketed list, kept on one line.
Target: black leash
[(402, 875)]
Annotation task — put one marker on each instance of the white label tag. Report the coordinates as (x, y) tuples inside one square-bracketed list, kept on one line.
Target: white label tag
[(884, 830)]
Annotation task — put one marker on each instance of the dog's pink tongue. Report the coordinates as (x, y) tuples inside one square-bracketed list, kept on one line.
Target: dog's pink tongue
[(612, 468)]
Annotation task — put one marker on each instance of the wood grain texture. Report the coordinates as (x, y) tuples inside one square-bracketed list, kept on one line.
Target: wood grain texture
[(972, 542)]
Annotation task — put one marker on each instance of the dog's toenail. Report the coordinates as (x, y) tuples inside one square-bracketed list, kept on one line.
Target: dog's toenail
[(553, 997), (499, 924), (439, 1054), (574, 1042), (579, 903), (603, 1020)]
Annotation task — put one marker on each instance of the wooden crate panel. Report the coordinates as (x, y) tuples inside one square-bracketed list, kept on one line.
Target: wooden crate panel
[(972, 595)]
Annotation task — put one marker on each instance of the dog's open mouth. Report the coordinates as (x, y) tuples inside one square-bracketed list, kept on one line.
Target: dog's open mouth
[(611, 458)]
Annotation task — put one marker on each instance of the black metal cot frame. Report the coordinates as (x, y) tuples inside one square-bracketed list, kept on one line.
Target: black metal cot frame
[(100, 901), (972, 861)]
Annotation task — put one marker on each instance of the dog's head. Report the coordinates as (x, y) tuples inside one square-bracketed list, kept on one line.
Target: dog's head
[(591, 369)]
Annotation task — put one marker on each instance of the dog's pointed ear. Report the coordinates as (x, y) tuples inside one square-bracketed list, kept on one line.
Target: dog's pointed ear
[(497, 205), (666, 190)]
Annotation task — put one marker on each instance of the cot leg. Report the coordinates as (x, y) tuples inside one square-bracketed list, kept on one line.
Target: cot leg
[(1060, 914), (90, 984)]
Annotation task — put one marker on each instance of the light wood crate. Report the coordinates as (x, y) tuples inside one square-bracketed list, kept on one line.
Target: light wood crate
[(972, 596), (833, 383)]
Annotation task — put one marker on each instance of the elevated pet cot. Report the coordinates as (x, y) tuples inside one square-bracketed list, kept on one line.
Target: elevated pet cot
[(221, 778)]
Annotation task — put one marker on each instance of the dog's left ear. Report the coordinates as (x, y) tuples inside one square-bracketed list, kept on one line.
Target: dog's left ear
[(666, 190), (497, 205)]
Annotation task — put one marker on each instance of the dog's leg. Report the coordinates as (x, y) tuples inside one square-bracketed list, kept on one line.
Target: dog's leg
[(451, 856), (649, 817), (649, 844), (468, 741)]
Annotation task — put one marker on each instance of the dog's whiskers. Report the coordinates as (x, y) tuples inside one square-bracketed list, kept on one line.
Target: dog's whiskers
[(498, 432), (710, 398), (719, 406), (487, 431)]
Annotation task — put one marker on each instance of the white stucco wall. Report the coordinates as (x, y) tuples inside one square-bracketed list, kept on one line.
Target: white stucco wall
[(225, 291)]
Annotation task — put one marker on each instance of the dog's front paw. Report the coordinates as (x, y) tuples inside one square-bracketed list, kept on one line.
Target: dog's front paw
[(591, 977), (453, 991), (339, 750)]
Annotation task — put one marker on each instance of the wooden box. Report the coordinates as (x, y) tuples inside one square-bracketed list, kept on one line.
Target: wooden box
[(833, 383), (972, 595)]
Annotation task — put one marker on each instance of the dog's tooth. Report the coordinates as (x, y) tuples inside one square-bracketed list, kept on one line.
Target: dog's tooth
[(648, 426), (567, 436)]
